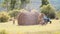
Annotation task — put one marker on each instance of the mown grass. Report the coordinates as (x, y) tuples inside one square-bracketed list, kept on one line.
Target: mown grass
[(11, 28)]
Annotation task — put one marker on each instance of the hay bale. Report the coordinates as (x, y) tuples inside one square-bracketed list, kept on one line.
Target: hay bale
[(41, 19), (28, 18)]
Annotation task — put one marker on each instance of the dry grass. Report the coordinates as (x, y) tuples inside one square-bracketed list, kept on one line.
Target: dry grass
[(11, 28)]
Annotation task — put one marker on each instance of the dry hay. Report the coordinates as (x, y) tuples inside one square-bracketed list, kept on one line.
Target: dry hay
[(30, 18)]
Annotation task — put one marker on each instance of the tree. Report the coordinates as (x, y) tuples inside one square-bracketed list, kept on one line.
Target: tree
[(44, 2), (48, 10), (9, 4), (5, 4), (17, 5), (12, 4), (14, 13), (24, 3)]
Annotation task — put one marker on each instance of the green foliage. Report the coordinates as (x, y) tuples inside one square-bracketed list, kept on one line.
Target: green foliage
[(48, 10), (9, 4), (17, 5), (12, 4), (14, 13), (44, 2), (5, 4), (4, 17), (24, 3)]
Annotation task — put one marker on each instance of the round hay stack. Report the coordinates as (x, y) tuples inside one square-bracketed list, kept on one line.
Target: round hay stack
[(28, 18)]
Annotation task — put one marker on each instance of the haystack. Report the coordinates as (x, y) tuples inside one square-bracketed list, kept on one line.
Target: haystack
[(28, 18)]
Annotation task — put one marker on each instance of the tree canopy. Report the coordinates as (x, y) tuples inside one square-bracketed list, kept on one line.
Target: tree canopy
[(44, 2), (13, 4)]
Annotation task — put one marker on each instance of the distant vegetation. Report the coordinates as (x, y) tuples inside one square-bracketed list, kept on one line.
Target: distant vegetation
[(14, 13), (4, 17), (14, 4), (47, 9)]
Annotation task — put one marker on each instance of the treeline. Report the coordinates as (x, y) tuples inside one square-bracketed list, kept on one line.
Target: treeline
[(14, 4)]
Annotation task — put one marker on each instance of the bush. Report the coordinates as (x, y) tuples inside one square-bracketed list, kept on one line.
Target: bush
[(4, 17), (13, 13), (48, 10)]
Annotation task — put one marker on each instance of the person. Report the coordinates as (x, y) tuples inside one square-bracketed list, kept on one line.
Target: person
[(46, 19)]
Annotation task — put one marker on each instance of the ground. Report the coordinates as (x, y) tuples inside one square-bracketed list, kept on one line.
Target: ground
[(11, 28)]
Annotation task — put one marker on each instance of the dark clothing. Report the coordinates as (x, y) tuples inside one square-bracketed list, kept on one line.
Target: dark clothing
[(47, 19)]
